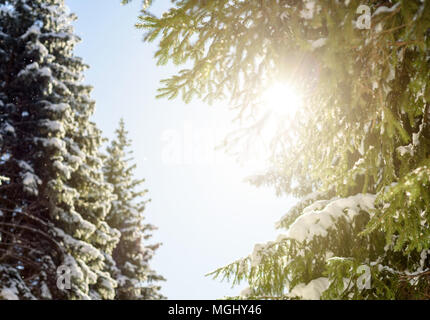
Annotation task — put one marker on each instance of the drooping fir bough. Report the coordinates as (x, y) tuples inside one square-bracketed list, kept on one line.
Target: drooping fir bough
[(55, 202), (357, 150)]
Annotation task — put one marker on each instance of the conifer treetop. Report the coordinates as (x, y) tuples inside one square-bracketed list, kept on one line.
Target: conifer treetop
[(136, 279)]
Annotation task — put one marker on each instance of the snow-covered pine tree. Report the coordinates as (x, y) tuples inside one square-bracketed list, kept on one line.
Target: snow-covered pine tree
[(357, 151), (136, 279), (54, 205)]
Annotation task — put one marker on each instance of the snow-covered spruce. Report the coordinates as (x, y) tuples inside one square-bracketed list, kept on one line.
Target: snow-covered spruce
[(55, 201), (131, 257)]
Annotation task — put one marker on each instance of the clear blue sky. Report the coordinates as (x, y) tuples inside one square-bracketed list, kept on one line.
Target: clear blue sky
[(207, 217)]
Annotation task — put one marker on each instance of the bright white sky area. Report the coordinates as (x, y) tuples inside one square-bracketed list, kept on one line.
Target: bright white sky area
[(207, 217)]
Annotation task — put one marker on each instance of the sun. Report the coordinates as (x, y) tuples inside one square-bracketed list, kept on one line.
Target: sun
[(276, 110), (282, 99)]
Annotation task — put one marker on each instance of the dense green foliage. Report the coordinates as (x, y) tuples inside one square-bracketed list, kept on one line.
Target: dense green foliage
[(358, 149)]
